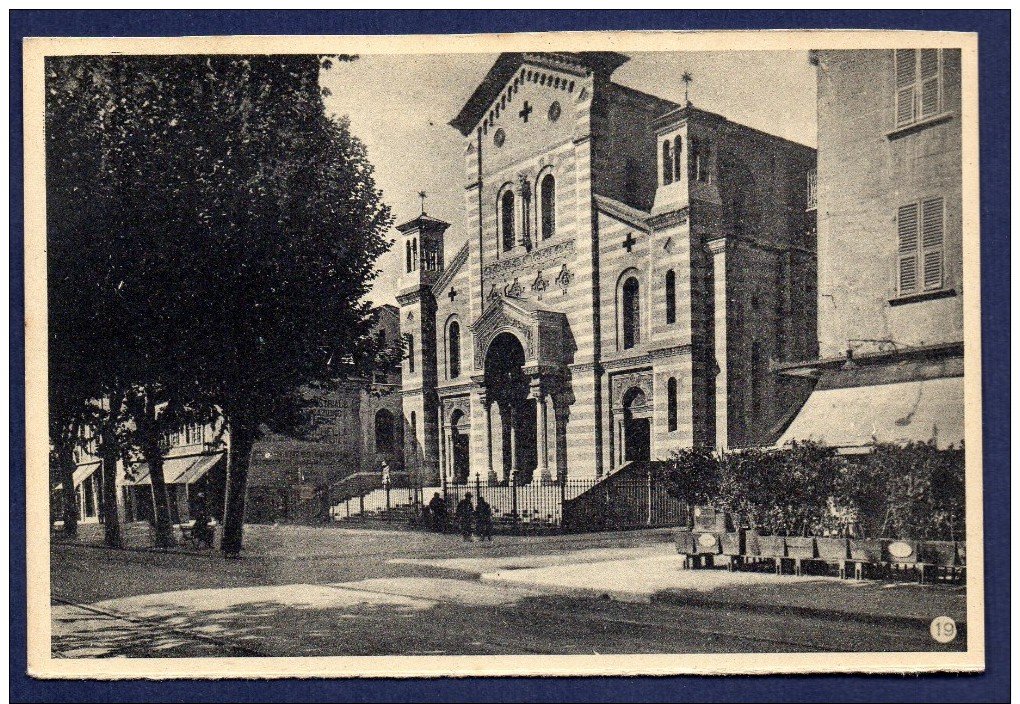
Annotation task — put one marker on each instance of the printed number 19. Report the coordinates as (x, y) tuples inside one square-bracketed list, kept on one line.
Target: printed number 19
[(943, 629)]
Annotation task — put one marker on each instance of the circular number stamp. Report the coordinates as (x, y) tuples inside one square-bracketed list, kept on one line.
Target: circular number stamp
[(943, 629)]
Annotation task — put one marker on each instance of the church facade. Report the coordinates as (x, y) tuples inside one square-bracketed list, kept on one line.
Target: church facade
[(633, 270)]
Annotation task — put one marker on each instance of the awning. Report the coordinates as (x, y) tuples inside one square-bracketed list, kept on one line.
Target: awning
[(84, 471), (176, 470), (858, 417)]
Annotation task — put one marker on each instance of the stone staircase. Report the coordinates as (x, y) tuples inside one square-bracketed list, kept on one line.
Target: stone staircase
[(371, 509)]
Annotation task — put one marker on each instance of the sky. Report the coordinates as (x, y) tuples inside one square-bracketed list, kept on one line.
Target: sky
[(400, 107)]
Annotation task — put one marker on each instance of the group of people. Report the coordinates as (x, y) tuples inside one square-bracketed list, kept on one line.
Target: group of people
[(470, 517)]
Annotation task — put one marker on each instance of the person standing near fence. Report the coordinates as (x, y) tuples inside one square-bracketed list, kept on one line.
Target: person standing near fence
[(465, 513), (437, 509), (483, 519)]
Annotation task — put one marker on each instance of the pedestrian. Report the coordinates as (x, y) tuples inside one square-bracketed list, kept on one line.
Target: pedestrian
[(483, 519), (437, 507), (465, 512), (200, 529)]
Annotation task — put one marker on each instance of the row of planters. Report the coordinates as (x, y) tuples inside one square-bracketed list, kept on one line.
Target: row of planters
[(925, 560), (896, 511)]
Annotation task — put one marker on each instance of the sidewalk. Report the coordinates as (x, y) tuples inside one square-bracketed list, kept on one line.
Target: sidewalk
[(654, 573)]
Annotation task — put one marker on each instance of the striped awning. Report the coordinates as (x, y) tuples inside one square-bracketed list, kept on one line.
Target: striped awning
[(859, 417), (176, 470)]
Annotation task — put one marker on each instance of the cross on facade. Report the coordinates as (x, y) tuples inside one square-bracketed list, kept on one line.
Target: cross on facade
[(629, 242), (525, 111), (453, 293)]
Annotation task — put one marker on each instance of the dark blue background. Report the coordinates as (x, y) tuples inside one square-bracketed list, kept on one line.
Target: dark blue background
[(994, 38)]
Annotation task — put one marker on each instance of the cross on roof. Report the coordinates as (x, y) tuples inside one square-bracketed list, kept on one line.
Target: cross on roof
[(423, 196), (629, 242), (525, 111)]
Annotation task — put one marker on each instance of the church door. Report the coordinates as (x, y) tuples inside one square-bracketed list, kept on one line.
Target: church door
[(639, 437)]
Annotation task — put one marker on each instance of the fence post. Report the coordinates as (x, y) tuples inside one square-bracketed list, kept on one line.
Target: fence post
[(478, 485), (361, 502), (649, 478), (513, 496)]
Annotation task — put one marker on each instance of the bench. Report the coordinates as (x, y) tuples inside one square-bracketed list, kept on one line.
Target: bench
[(197, 539)]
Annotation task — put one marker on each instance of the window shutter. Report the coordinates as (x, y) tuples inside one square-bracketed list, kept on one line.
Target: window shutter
[(906, 223), (930, 98), (932, 235), (906, 77)]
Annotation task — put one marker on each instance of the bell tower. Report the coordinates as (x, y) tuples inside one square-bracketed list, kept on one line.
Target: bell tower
[(422, 247)]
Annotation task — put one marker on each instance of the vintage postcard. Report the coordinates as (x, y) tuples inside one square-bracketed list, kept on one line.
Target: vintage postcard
[(542, 354)]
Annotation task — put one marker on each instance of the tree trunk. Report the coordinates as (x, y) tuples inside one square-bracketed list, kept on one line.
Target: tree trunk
[(153, 453), (69, 497), (109, 450), (242, 440)]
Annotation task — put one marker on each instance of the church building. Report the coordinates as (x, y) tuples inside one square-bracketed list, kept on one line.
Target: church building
[(634, 270)]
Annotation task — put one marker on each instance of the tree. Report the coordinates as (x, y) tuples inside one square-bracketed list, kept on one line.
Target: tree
[(243, 226)]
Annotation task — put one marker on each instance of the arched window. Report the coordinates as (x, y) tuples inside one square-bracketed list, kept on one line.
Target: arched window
[(506, 205), (667, 164), (410, 353), (670, 297), (547, 192), (414, 254), (408, 256), (678, 149), (454, 338), (383, 431), (631, 313), (671, 404)]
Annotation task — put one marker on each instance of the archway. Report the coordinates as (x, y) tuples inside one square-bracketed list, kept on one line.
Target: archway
[(508, 386), (637, 426), (459, 447)]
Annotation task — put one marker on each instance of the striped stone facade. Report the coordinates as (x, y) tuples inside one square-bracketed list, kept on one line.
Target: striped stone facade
[(569, 361)]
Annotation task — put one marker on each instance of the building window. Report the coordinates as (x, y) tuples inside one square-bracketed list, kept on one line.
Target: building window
[(671, 404), (701, 160), (414, 254), (631, 313), (408, 257), (667, 163), (454, 338), (410, 353), (920, 229), (547, 192), (383, 431), (918, 84), (193, 434), (506, 205), (677, 161), (670, 297)]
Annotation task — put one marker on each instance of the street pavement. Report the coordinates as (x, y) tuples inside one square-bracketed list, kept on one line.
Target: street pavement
[(301, 591)]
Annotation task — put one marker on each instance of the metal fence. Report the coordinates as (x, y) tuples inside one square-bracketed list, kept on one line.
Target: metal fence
[(618, 502)]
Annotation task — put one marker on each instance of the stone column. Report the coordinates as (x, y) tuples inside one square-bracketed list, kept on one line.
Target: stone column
[(560, 414), (444, 463), (487, 405), (541, 431)]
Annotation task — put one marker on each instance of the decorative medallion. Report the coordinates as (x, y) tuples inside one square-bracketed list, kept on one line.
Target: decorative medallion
[(499, 138), (514, 290), (564, 278), (554, 111), (539, 285)]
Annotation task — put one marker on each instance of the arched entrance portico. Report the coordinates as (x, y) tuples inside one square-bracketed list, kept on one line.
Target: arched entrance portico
[(637, 426), (459, 447), (514, 412)]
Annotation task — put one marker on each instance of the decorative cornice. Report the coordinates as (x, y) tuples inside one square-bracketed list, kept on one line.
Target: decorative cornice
[(532, 258), (670, 219), (646, 358), (623, 212)]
